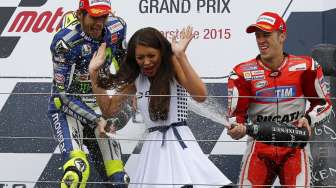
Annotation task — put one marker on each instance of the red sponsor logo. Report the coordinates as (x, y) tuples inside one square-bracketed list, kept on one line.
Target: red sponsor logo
[(26, 21), (59, 78), (114, 38)]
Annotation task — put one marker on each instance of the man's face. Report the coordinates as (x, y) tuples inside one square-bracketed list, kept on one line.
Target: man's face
[(92, 26), (270, 44)]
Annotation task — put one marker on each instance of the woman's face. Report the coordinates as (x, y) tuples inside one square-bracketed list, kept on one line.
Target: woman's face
[(148, 59)]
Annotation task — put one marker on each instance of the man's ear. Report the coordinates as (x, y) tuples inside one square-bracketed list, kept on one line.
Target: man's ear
[(79, 15), (283, 37)]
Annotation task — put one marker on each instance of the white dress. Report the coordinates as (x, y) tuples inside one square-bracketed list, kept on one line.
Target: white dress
[(170, 164)]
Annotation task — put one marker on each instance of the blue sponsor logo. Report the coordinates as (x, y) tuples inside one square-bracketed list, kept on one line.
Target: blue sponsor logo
[(276, 94)]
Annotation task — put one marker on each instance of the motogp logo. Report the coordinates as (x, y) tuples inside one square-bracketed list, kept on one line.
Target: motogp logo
[(25, 21)]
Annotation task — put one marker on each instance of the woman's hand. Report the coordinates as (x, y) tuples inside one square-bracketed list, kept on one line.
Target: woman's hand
[(186, 36), (98, 59), (101, 127)]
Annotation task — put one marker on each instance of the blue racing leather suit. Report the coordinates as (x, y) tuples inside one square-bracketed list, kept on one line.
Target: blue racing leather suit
[(72, 108)]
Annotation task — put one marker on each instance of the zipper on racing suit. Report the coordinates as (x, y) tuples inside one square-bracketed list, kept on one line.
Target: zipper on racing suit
[(274, 75)]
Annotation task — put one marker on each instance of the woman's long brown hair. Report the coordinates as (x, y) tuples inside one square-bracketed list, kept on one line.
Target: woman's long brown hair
[(160, 82)]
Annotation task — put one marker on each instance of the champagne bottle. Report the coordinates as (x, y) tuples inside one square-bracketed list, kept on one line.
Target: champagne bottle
[(279, 134)]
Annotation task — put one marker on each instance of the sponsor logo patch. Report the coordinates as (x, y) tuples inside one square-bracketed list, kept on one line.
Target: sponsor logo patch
[(100, 2), (249, 67), (274, 94), (258, 77), (298, 67), (257, 72), (96, 10), (114, 38), (59, 78), (252, 76), (61, 47), (267, 19), (247, 75), (115, 27), (86, 50), (260, 84)]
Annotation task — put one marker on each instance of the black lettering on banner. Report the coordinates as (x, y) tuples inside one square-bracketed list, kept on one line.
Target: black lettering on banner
[(213, 6), (164, 6), (226, 6), (19, 186)]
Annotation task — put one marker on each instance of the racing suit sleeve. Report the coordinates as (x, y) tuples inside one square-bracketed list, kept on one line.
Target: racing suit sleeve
[(315, 85), (238, 100), (63, 98), (105, 78), (121, 118), (121, 46)]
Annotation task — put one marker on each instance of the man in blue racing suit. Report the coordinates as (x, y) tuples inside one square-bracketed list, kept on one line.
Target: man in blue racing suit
[(73, 111)]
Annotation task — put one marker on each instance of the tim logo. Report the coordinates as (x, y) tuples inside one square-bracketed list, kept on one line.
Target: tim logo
[(276, 94), (25, 21)]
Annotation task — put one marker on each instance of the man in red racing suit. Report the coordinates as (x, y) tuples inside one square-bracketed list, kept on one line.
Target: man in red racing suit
[(279, 84)]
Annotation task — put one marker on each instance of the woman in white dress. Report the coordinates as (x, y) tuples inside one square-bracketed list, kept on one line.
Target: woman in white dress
[(154, 66)]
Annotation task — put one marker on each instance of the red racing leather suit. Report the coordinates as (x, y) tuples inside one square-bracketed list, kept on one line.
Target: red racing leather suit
[(272, 100)]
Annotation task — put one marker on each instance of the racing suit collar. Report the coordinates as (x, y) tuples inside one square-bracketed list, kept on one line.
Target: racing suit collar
[(88, 38), (266, 67)]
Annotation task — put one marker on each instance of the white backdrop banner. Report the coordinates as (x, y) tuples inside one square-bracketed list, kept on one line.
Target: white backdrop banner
[(26, 31), (219, 25)]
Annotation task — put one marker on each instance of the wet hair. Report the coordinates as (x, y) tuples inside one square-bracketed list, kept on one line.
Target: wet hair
[(160, 82)]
